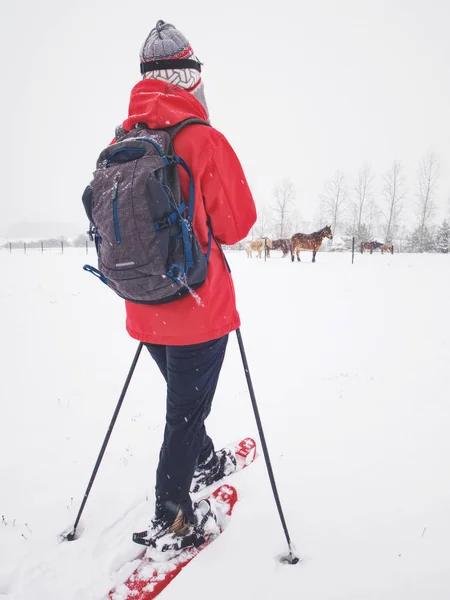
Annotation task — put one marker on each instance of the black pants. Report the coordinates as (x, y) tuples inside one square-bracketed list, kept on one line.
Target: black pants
[(191, 373)]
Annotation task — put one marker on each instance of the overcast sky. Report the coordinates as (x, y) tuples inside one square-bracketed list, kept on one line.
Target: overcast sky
[(300, 89)]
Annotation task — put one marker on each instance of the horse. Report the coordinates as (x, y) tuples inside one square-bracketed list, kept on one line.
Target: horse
[(282, 244), (387, 248), (258, 247), (371, 246), (309, 241)]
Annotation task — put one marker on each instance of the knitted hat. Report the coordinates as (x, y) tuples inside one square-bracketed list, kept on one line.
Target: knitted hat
[(167, 55)]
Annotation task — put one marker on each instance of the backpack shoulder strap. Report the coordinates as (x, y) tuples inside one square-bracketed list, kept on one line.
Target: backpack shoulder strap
[(172, 131)]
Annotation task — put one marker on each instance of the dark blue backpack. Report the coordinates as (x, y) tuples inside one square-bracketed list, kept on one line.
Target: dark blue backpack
[(147, 250)]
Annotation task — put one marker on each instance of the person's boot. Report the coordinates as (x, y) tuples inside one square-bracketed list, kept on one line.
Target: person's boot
[(208, 473)]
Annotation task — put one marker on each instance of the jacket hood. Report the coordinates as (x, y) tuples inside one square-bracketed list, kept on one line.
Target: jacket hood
[(160, 104)]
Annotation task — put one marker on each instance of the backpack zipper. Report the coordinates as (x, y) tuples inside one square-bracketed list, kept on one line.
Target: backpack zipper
[(115, 206)]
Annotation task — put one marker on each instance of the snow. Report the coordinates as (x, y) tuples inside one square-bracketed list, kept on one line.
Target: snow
[(350, 369)]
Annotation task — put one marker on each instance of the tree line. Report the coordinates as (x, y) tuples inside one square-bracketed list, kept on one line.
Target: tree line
[(353, 207)]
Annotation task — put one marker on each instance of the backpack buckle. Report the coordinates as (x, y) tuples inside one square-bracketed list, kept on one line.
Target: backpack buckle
[(91, 233), (169, 159), (160, 224), (166, 221)]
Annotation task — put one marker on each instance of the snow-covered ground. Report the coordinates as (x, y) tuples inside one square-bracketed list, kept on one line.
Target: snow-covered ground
[(350, 365)]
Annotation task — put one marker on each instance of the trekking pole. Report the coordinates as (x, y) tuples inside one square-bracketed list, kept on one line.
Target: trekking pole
[(71, 536), (288, 558)]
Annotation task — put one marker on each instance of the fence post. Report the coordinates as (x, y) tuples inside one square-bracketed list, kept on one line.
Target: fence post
[(265, 249), (42, 247), (353, 249), (24, 247), (10, 247), (62, 246)]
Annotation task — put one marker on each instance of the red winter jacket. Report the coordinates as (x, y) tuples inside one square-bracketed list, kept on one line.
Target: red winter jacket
[(221, 191)]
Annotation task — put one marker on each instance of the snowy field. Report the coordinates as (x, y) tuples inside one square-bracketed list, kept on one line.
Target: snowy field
[(350, 365)]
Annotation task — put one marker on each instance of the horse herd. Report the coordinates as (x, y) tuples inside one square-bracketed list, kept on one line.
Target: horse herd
[(305, 241), (299, 241)]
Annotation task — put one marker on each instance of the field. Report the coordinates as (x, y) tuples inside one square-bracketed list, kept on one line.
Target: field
[(350, 365)]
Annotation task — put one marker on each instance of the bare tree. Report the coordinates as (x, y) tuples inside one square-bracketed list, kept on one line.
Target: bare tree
[(296, 221), (320, 218), (262, 226), (362, 207), (394, 192), (334, 201), (284, 199), (427, 179), (372, 217), (363, 195)]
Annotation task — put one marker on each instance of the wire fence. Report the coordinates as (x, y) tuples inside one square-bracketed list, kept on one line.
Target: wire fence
[(61, 245), (48, 246)]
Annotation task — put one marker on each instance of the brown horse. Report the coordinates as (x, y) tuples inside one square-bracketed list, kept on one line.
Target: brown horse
[(283, 244), (371, 246), (387, 248), (309, 241)]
